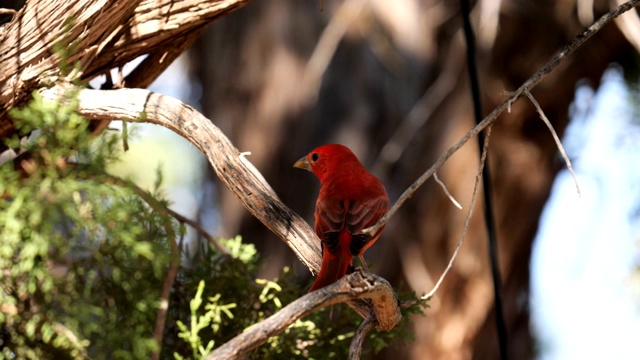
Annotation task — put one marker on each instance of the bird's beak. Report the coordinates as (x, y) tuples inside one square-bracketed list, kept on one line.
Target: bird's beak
[(303, 163)]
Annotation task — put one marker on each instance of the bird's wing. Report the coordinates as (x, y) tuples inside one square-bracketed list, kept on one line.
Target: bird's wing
[(329, 220), (333, 216), (360, 216)]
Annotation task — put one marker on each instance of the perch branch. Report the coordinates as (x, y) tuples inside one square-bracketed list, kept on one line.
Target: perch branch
[(357, 285), (549, 67)]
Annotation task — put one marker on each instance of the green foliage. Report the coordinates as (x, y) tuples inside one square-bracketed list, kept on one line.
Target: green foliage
[(247, 301), (212, 317), (81, 258), (84, 255)]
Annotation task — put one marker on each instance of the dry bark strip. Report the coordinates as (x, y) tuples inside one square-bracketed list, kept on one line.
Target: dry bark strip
[(98, 35)]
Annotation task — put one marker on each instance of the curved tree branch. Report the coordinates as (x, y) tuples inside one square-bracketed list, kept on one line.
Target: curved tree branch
[(233, 169), (357, 285), (358, 339)]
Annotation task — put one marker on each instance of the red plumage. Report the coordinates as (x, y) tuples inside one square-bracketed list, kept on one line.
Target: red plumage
[(350, 200)]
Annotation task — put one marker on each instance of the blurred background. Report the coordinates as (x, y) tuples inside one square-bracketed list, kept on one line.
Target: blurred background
[(281, 77)]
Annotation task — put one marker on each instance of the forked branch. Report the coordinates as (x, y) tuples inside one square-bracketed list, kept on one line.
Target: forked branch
[(357, 285)]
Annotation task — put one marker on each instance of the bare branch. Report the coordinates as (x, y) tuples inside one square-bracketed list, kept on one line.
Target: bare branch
[(493, 116), (357, 285), (230, 166), (555, 138), (202, 232), (356, 343), (446, 191), (4, 11), (474, 197)]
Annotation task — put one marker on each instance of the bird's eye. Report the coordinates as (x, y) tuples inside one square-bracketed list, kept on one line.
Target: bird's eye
[(314, 157)]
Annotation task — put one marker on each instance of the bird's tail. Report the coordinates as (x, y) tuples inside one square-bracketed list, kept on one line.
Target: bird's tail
[(335, 264)]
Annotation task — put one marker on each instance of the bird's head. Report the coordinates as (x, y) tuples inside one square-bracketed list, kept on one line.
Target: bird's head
[(327, 158)]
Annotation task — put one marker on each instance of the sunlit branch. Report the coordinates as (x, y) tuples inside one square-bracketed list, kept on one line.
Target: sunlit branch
[(555, 138)]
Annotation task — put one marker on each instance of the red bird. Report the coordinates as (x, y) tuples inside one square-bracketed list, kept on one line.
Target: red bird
[(350, 200)]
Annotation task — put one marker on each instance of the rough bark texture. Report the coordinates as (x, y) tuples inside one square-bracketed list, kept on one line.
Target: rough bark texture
[(96, 35), (355, 286), (390, 59)]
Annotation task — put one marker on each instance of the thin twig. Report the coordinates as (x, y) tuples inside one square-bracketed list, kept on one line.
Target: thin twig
[(4, 11), (182, 219), (474, 197), (420, 113), (174, 264), (446, 191), (63, 331), (202, 232), (493, 116), (163, 309), (555, 138)]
